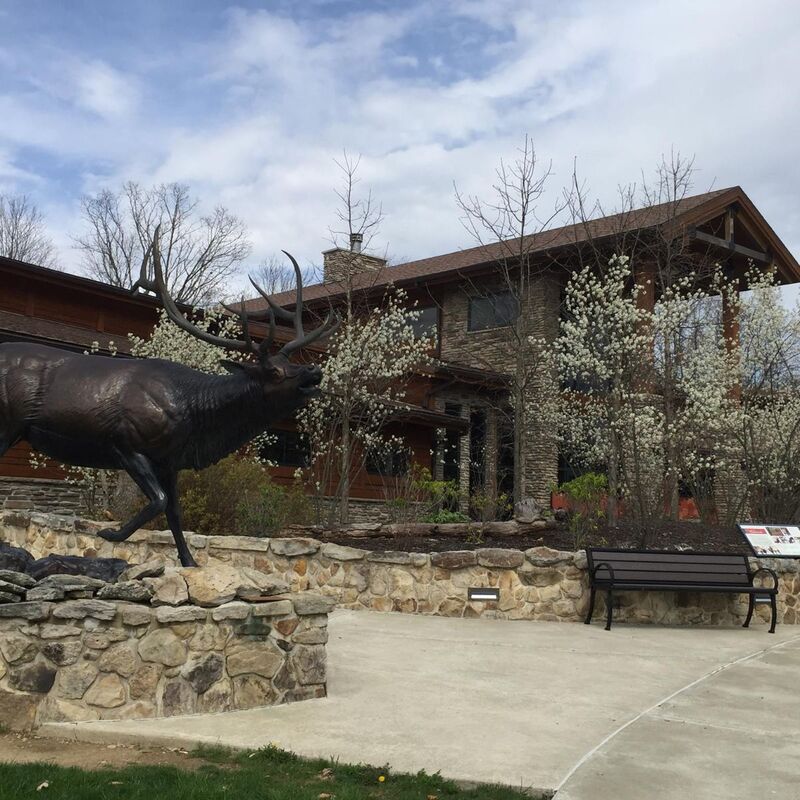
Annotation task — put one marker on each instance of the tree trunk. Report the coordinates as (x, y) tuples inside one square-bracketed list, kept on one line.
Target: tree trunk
[(344, 476)]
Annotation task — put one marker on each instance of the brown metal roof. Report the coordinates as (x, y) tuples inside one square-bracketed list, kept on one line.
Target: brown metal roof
[(690, 210)]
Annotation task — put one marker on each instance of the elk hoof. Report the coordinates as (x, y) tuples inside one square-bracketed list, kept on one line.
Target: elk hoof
[(112, 535), (187, 560)]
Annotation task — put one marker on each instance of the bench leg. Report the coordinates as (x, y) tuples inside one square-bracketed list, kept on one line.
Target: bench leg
[(609, 608), (750, 611), (591, 606), (773, 602)]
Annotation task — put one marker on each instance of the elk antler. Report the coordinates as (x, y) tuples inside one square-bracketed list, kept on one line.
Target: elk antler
[(158, 286), (330, 324)]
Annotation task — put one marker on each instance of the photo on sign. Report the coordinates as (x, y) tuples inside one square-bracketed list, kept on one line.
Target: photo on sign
[(772, 540)]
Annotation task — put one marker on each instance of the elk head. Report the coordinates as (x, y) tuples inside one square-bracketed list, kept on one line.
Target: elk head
[(276, 374)]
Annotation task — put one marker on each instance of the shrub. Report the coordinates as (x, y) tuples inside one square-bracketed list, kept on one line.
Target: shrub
[(237, 496), (586, 494)]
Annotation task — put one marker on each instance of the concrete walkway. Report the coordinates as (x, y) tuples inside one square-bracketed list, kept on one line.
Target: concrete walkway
[(541, 705)]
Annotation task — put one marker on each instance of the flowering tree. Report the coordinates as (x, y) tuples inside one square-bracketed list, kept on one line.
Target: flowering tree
[(602, 355), (371, 358)]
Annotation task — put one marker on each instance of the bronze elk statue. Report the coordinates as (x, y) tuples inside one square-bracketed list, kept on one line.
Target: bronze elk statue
[(152, 417)]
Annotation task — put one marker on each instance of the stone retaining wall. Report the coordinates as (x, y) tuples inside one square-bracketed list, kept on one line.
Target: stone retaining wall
[(539, 583), (155, 643)]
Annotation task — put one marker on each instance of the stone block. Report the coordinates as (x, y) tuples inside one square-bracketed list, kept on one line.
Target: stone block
[(169, 615), (107, 691), (168, 590), (162, 646), (133, 591), (253, 543), (257, 658), (499, 558), (204, 671), (52, 593), (390, 557), (234, 610), (144, 680), (134, 615), (299, 546), (338, 552), (17, 711), (34, 610), (80, 609), (252, 691), (308, 663), (454, 559), (177, 697), (52, 631), (307, 603), (546, 556), (154, 568), (62, 652), (217, 698), (275, 609), (19, 579), (37, 677), (17, 648), (311, 636), (121, 658)]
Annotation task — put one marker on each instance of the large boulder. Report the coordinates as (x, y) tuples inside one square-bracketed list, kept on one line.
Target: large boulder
[(105, 569), (217, 584), (14, 558)]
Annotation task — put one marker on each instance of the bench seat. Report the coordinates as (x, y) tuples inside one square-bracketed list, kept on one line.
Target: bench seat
[(612, 569)]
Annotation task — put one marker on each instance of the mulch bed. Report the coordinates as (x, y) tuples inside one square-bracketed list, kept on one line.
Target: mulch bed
[(664, 535)]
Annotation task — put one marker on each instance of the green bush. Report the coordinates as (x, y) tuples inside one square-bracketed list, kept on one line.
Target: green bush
[(586, 494), (237, 496)]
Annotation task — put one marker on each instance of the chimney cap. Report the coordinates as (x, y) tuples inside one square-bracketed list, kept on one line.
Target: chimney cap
[(355, 242)]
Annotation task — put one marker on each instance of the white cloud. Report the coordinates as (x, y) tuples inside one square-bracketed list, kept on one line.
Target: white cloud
[(270, 101), (105, 91)]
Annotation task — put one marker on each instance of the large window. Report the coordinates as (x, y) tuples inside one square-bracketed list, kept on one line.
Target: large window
[(425, 323), (287, 449), (495, 310), (388, 464)]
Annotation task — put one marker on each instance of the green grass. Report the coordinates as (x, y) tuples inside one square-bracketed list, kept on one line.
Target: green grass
[(268, 774)]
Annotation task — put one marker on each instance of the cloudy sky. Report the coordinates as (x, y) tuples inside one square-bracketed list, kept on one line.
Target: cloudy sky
[(250, 103)]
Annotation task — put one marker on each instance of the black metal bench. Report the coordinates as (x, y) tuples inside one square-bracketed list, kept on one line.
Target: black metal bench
[(613, 570)]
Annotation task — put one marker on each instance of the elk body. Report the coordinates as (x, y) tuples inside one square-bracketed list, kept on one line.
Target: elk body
[(150, 417)]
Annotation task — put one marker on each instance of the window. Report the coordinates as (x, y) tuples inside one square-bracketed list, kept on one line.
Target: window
[(496, 310), (390, 465), (287, 449), (425, 323)]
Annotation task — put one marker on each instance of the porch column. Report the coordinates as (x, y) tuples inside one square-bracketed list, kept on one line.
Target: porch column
[(463, 463), (490, 459)]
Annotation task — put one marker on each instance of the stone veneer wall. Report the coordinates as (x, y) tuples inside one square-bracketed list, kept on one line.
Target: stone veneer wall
[(90, 659), (39, 494), (537, 584)]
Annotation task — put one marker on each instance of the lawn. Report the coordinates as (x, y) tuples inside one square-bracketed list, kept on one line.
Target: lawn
[(268, 774)]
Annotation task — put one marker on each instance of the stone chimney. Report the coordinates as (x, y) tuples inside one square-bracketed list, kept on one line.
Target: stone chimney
[(339, 263)]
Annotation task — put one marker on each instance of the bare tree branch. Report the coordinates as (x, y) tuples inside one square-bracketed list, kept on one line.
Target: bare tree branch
[(22, 232), (200, 253)]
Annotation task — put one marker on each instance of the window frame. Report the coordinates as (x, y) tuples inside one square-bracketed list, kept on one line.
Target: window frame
[(492, 298)]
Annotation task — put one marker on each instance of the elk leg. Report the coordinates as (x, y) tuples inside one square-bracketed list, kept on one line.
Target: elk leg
[(173, 511), (141, 470)]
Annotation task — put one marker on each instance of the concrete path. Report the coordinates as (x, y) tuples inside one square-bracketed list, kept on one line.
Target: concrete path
[(531, 704)]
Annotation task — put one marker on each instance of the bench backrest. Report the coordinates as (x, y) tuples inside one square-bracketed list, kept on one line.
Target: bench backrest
[(670, 566)]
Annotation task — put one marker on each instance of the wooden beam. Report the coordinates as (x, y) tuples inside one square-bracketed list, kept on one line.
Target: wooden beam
[(730, 246), (729, 219)]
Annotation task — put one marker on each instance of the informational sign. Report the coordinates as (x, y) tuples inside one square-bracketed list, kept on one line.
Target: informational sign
[(772, 541)]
